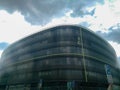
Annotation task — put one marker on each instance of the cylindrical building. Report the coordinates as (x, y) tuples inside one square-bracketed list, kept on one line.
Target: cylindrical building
[(59, 58)]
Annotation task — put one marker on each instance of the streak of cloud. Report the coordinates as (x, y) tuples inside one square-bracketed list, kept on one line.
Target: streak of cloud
[(113, 34), (43, 11)]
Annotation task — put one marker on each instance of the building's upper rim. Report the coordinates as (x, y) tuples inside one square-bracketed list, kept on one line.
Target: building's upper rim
[(50, 28)]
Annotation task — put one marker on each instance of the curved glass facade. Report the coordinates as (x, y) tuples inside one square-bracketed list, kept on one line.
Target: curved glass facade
[(59, 58)]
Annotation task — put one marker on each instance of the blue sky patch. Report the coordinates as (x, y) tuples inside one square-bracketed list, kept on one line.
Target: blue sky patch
[(3, 45)]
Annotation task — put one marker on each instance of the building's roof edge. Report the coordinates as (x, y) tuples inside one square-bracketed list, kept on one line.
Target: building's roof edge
[(53, 26)]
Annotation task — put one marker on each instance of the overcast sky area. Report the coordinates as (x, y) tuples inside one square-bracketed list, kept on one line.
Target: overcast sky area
[(20, 18)]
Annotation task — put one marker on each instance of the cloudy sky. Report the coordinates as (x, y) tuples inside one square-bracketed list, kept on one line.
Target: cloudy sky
[(20, 18)]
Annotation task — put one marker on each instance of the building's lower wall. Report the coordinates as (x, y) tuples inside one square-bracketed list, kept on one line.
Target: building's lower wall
[(29, 74), (58, 86)]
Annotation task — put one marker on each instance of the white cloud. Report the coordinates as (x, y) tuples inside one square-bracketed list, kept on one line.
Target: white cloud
[(1, 52), (14, 27), (105, 16), (116, 46), (114, 6)]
